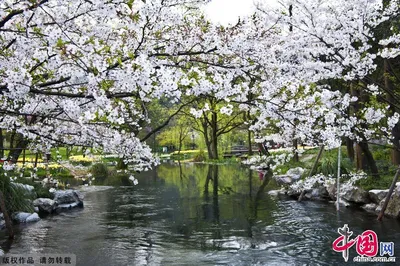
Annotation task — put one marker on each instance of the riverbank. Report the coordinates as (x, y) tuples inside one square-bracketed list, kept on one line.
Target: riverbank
[(323, 188)]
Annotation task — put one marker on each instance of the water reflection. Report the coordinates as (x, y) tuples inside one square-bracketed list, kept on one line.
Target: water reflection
[(190, 214)]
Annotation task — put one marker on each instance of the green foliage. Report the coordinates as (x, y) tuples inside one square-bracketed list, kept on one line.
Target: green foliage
[(369, 183), (99, 171), (380, 153), (41, 192), (114, 179), (200, 156), (16, 198), (328, 165)]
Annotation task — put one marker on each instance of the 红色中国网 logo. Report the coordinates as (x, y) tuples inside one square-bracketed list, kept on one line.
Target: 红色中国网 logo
[(367, 246)]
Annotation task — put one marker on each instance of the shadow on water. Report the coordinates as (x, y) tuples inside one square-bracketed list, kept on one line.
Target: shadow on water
[(195, 214)]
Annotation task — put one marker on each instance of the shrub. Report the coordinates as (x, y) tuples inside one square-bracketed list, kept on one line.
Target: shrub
[(16, 198), (200, 156), (99, 171)]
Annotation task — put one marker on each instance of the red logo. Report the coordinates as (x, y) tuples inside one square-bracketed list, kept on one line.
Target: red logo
[(366, 243)]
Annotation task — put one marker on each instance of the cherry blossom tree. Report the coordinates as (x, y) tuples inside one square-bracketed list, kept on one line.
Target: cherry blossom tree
[(81, 72)]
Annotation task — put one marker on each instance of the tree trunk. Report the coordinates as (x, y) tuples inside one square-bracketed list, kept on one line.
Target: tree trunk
[(249, 141), (20, 145), (360, 160), (214, 136), (392, 187), (207, 139), (350, 149), (395, 154), (295, 153), (6, 216), (1, 144), (369, 158)]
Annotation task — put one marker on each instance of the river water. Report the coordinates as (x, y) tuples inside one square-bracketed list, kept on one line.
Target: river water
[(196, 215)]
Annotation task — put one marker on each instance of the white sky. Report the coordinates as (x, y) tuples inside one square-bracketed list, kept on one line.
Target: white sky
[(228, 11)]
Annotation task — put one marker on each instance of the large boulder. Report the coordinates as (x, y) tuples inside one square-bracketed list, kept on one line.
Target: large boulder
[(68, 199), (357, 195), (370, 207), (67, 196), (25, 217), (317, 193), (331, 190), (393, 208), (45, 205), (291, 176), (377, 195), (34, 217), (20, 217), (295, 173), (284, 179)]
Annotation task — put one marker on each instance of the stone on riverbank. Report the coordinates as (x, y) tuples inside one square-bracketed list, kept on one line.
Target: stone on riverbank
[(45, 205), (296, 173), (291, 176), (357, 195), (319, 193), (34, 217), (25, 217), (68, 199), (393, 208), (370, 207), (377, 195)]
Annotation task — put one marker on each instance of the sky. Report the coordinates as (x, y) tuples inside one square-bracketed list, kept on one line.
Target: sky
[(228, 11)]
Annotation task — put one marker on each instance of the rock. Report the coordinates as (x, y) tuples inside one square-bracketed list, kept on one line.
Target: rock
[(20, 217), (273, 193), (377, 195), (295, 173), (276, 193), (343, 202), (294, 194), (36, 209), (313, 194), (357, 195), (67, 196), (2, 224), (331, 190), (284, 179), (69, 205), (1, 252), (45, 204), (68, 199), (393, 208), (34, 217), (371, 207)]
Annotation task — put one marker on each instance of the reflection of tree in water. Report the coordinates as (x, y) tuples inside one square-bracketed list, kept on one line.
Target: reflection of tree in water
[(255, 201), (211, 211)]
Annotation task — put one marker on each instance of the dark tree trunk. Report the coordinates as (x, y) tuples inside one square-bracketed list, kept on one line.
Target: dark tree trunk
[(207, 138), (295, 153), (369, 158), (214, 136), (7, 218), (350, 149), (20, 144), (249, 141), (1, 144), (395, 154)]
